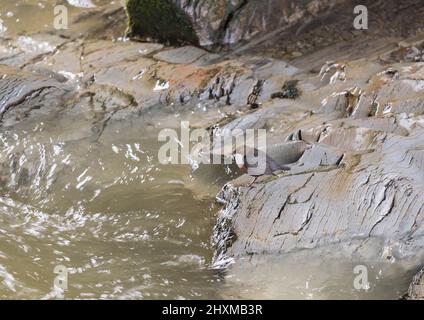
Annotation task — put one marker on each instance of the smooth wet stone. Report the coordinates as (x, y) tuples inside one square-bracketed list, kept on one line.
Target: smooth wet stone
[(287, 152), (39, 43), (23, 94), (403, 93), (416, 289), (319, 155), (28, 49), (81, 3), (103, 54), (10, 55), (102, 22), (223, 23), (185, 55)]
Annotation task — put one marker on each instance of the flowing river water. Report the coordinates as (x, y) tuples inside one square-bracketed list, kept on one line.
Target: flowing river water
[(126, 226)]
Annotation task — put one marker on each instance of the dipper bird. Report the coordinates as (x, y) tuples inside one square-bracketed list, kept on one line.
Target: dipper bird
[(257, 163)]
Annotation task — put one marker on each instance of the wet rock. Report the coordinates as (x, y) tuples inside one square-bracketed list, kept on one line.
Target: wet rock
[(287, 152), (319, 155), (217, 23), (416, 289), (102, 22), (185, 55), (371, 163), (406, 53), (397, 125), (403, 93), (26, 50), (81, 3), (332, 72), (293, 211), (230, 22), (23, 94), (350, 103)]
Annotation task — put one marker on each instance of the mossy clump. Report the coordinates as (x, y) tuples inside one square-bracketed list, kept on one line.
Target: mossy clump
[(161, 20), (373, 110), (289, 91)]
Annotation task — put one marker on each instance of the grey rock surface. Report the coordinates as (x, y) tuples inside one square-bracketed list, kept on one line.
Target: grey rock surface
[(416, 289), (225, 22), (360, 180)]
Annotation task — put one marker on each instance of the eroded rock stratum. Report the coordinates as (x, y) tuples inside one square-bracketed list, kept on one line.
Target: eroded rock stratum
[(416, 289)]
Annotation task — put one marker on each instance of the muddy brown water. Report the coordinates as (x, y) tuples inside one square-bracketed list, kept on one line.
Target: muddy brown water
[(127, 227), (28, 16)]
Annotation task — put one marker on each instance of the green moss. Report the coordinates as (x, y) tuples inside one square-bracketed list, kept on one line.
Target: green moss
[(161, 20), (289, 91)]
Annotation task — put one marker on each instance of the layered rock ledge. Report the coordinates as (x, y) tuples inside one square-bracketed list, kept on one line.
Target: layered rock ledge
[(416, 289)]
